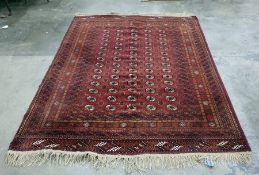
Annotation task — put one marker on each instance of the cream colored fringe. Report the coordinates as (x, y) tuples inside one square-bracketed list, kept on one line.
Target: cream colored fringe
[(183, 14), (130, 163)]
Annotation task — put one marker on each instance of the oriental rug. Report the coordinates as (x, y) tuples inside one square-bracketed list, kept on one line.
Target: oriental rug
[(138, 90)]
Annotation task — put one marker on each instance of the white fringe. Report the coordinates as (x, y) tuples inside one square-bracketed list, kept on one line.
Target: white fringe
[(183, 14), (131, 163)]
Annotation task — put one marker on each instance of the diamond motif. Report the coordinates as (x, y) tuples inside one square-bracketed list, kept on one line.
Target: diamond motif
[(114, 83), (93, 91), (115, 77), (115, 70), (133, 64), (133, 70), (151, 107), (149, 70), (165, 59), (166, 70), (168, 89), (170, 98), (150, 90), (110, 107), (91, 99), (97, 70), (150, 98), (132, 83), (99, 64), (149, 83), (95, 83), (166, 64), (171, 107), (116, 59), (132, 90), (112, 90), (167, 76), (111, 98), (133, 76), (116, 64), (168, 82), (131, 107), (132, 98), (89, 107), (97, 76), (149, 76)]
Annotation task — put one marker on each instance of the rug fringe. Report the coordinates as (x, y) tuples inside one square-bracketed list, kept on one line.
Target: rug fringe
[(130, 163), (183, 14)]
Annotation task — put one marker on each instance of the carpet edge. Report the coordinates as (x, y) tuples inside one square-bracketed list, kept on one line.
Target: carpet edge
[(184, 14)]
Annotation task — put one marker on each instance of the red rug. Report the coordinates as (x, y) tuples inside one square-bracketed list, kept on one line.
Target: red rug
[(139, 90)]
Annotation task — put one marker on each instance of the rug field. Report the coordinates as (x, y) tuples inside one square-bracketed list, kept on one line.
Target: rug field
[(138, 90)]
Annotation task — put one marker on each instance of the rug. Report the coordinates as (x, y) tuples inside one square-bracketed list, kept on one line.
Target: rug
[(142, 91)]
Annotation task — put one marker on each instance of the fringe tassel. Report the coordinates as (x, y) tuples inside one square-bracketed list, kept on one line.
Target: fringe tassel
[(130, 163)]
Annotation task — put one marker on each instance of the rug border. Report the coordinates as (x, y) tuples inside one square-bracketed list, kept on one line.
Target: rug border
[(45, 77), (221, 83)]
